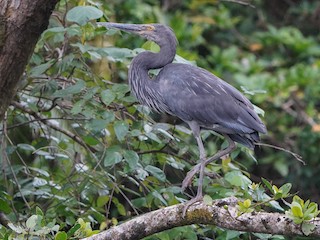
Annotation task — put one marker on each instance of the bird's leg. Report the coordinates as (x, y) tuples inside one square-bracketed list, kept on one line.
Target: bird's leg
[(187, 181), (202, 164), (229, 149)]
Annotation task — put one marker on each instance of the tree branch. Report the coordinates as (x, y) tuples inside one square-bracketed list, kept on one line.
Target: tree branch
[(222, 213)]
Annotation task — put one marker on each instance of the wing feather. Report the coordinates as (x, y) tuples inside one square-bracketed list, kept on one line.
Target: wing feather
[(194, 94)]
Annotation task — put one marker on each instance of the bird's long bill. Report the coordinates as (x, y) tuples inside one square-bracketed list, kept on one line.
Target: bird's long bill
[(140, 29), (134, 28)]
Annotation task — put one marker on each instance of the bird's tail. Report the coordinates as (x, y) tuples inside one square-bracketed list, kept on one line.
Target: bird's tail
[(247, 140)]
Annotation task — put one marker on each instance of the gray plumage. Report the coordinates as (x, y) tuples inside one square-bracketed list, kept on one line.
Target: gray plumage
[(191, 93)]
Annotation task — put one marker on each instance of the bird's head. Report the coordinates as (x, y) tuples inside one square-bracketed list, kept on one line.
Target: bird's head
[(153, 32)]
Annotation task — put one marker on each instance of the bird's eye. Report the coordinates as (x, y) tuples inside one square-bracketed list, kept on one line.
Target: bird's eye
[(150, 28)]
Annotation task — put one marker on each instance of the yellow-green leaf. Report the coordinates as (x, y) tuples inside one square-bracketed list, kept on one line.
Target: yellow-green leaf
[(296, 209), (247, 203)]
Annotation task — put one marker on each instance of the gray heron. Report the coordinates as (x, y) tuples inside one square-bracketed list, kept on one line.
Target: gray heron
[(191, 93)]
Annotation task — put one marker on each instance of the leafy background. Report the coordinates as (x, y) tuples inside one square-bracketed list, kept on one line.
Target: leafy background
[(79, 153)]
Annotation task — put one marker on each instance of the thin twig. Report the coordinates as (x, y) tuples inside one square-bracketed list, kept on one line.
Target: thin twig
[(71, 135), (240, 2), (295, 155), (109, 203), (161, 150), (44, 119), (127, 199)]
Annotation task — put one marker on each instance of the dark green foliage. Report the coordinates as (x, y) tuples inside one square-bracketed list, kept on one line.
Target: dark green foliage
[(77, 148)]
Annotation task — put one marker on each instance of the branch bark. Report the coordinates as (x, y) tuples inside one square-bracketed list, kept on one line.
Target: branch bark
[(21, 24), (222, 213)]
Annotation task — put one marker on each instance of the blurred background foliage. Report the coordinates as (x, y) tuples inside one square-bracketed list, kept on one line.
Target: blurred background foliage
[(75, 143)]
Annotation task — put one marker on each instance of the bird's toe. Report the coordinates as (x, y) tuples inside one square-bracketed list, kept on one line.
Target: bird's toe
[(189, 203)]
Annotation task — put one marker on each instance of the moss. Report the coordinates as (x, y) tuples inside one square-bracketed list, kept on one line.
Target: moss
[(199, 215)]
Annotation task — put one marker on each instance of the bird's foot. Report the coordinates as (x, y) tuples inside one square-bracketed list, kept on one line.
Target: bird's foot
[(212, 175), (189, 203)]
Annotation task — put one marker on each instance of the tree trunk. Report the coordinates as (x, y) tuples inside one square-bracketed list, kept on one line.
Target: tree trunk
[(21, 24)]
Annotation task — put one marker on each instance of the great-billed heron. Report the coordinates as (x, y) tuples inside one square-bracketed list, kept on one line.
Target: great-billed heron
[(191, 93)]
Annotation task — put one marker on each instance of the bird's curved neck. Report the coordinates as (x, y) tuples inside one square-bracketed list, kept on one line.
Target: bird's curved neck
[(150, 60), (141, 84)]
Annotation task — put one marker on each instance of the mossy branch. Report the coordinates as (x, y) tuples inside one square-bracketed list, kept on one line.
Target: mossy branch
[(222, 213)]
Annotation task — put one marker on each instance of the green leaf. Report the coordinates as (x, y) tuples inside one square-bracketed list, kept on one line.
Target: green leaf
[(285, 189), (129, 99), (258, 110), (94, 55), (102, 200), (298, 200), (109, 116), (120, 207), (97, 124), (78, 107), (17, 229), (73, 229), (275, 189), (92, 141), (236, 178), (4, 206), (207, 200), (132, 158), (244, 207), (113, 156), (38, 70), (40, 171), (90, 93), (39, 211), (157, 195), (296, 210), (107, 96), (83, 14), (121, 129), (232, 234), (311, 212), (247, 203), (32, 222), (267, 183), (120, 89), (139, 202), (26, 147), (38, 182), (53, 32), (82, 47), (61, 236), (141, 174), (71, 90), (117, 54), (33, 106), (305, 205), (153, 136), (156, 172), (307, 228)]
